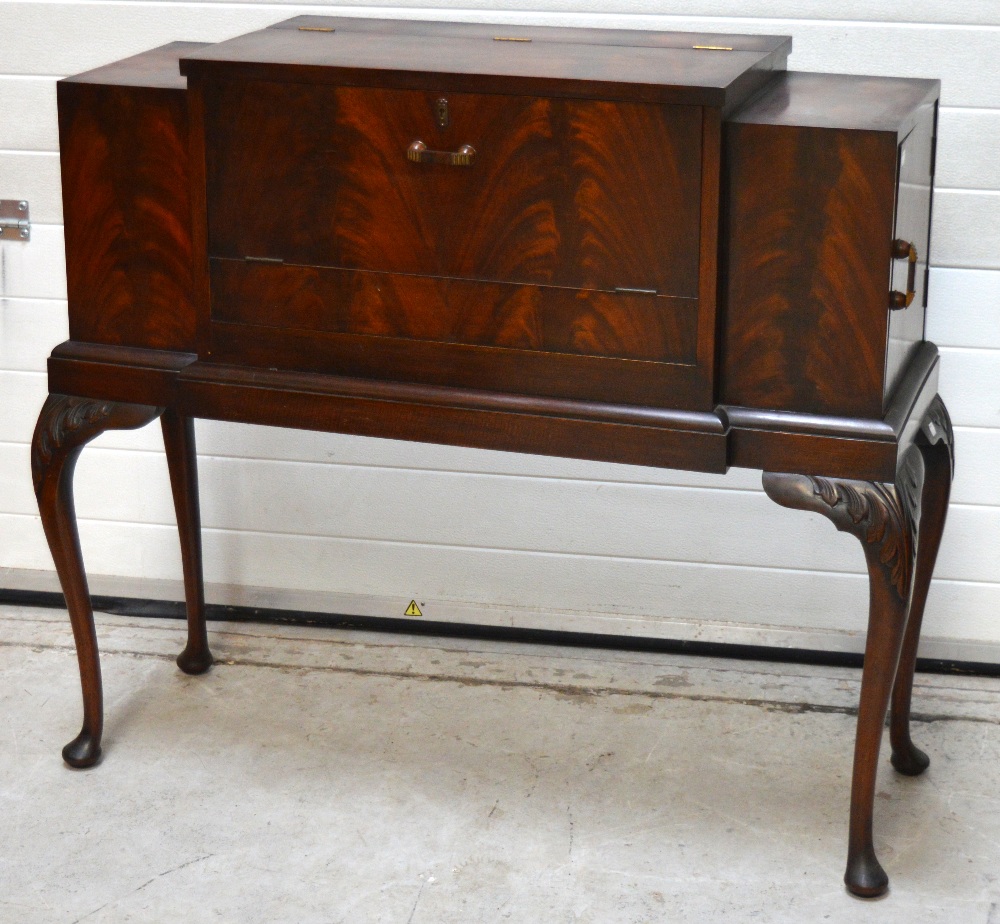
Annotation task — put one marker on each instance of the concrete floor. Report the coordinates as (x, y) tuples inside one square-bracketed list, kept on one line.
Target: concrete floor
[(324, 776)]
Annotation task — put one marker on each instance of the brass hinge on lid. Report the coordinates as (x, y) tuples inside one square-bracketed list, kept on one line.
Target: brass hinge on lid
[(629, 290), (316, 29), (510, 38), (15, 224), (711, 47)]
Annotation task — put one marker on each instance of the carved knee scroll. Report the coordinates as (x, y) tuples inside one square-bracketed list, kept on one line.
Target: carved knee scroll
[(65, 425), (884, 518)]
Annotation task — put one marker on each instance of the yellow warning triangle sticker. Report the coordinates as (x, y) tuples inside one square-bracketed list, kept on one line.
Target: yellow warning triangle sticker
[(413, 609)]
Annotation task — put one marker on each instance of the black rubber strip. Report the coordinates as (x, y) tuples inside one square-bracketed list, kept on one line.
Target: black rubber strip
[(169, 609)]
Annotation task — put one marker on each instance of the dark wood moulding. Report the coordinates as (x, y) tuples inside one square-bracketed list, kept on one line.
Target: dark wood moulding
[(856, 448)]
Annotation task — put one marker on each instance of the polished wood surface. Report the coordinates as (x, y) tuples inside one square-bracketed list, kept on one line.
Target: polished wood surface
[(851, 102), (319, 176), (412, 231), (156, 69), (936, 443), (672, 71), (808, 267), (870, 449), (496, 369), (884, 518), (343, 403), (182, 462), (807, 305), (914, 189), (65, 425), (777, 47), (123, 132), (551, 319)]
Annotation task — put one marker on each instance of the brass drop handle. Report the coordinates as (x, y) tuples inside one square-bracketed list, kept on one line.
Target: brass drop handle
[(904, 250), (419, 153)]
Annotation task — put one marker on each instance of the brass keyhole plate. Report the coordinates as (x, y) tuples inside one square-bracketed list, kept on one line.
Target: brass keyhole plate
[(441, 112)]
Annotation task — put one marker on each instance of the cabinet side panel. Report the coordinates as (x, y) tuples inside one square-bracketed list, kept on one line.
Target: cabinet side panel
[(809, 218), (913, 225), (127, 210), (708, 273)]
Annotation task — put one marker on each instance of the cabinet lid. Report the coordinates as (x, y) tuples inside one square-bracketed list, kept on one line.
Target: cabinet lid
[(155, 68), (663, 67), (844, 101)]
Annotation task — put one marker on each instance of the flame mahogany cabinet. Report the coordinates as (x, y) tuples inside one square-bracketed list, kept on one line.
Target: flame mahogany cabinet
[(653, 248)]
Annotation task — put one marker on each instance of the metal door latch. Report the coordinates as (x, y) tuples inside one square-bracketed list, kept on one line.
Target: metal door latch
[(14, 221)]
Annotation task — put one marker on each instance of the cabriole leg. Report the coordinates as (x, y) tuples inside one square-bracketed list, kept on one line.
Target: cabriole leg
[(178, 439), (884, 518), (937, 445), (65, 425)]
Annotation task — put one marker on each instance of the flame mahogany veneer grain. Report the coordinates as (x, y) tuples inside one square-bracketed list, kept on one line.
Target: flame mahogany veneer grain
[(659, 253)]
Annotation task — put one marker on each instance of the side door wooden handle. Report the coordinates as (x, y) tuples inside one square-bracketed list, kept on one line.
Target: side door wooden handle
[(904, 250)]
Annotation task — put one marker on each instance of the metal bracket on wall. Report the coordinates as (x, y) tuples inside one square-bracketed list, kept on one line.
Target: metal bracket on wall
[(14, 220)]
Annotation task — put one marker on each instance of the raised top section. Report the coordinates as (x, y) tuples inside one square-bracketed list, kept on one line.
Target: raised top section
[(884, 104), (155, 68), (628, 37), (664, 67)]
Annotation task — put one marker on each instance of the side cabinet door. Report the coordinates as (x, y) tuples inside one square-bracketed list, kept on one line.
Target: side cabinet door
[(915, 180)]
